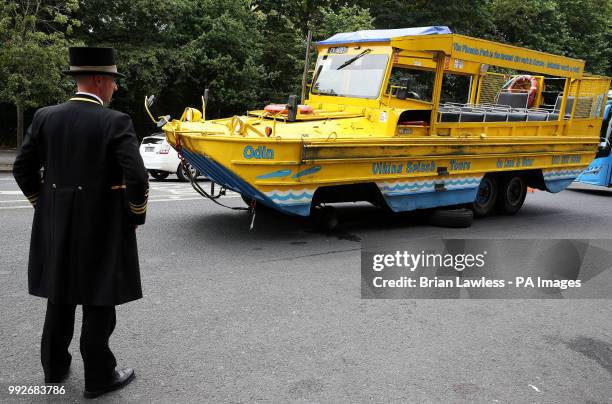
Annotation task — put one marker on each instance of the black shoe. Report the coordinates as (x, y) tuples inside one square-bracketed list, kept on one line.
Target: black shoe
[(120, 379)]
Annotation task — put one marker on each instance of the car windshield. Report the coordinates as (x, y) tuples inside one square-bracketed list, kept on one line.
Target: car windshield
[(152, 139), (350, 76)]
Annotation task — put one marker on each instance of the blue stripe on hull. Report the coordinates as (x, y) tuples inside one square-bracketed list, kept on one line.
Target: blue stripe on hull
[(555, 186), (300, 210), (229, 180), (426, 200)]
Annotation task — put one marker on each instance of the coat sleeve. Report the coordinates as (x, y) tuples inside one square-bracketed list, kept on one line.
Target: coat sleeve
[(26, 168), (124, 146)]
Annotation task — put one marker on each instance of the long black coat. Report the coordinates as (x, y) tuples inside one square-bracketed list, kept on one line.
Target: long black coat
[(92, 193)]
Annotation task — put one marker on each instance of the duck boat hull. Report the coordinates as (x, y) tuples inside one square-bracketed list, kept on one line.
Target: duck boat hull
[(293, 175)]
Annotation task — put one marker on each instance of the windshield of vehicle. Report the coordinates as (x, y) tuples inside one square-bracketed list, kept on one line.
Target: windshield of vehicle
[(349, 75), (153, 139)]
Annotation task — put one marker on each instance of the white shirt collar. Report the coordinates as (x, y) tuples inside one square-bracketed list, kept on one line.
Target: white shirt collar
[(91, 95)]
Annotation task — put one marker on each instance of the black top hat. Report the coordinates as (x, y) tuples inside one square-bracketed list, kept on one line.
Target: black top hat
[(88, 60)]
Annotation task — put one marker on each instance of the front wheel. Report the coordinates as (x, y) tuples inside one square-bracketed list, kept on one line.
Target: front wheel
[(326, 218), (181, 172), (247, 199), (512, 193), (485, 196)]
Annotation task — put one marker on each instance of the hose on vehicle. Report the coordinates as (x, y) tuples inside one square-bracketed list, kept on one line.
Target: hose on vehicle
[(201, 191)]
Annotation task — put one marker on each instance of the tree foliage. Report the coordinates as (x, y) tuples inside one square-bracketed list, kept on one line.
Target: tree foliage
[(34, 37), (248, 52), (589, 27)]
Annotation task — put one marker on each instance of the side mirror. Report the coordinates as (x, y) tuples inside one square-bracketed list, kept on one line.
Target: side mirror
[(150, 100), (204, 104), (163, 120)]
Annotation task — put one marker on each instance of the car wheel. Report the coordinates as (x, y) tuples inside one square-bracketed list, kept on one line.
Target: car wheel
[(181, 172), (486, 196), (159, 175), (512, 193)]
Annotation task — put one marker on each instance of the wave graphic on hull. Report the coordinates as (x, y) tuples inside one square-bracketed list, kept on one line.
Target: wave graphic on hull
[(561, 174), (291, 197), (410, 187)]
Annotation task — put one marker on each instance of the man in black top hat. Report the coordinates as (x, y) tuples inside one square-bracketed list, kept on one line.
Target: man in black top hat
[(90, 198)]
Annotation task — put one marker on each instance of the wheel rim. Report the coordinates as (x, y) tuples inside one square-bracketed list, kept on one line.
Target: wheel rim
[(515, 191), (485, 192), (189, 170)]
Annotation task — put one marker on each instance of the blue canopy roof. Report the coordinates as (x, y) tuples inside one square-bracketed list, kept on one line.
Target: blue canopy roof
[(382, 35)]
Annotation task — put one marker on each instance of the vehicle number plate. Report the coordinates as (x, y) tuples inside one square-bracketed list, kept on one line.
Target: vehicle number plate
[(149, 149)]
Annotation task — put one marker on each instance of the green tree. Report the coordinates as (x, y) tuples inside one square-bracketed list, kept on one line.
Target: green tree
[(464, 17), (343, 19), (178, 48), (589, 25), (298, 15), (221, 49), (285, 40), (145, 38), (534, 24), (34, 37)]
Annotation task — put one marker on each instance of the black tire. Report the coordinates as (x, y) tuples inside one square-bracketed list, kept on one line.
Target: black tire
[(182, 174), (486, 196), (456, 218), (512, 193), (326, 218), (159, 175)]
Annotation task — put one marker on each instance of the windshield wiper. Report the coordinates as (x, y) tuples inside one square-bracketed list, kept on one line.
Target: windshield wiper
[(354, 58), (325, 92)]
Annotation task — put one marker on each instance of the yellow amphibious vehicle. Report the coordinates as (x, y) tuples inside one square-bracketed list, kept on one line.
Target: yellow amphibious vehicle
[(408, 118)]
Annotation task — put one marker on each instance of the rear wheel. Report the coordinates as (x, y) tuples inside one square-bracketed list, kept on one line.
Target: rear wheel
[(159, 175), (512, 193), (486, 196), (181, 172)]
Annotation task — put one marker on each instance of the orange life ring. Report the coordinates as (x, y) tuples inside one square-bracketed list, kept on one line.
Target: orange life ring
[(523, 83), (282, 109)]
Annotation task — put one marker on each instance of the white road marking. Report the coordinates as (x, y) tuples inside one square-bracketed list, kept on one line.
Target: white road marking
[(160, 192), (168, 199), (534, 387), (190, 199)]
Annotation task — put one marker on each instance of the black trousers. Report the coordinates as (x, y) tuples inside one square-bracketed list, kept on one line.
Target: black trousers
[(98, 359)]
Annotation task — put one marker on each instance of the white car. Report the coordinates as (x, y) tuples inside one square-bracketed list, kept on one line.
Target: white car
[(161, 160)]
